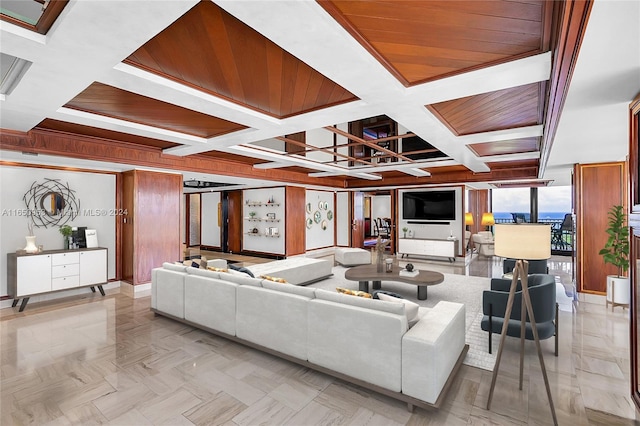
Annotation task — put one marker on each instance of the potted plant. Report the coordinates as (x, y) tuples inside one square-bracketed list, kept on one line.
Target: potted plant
[(404, 231), (616, 252), (66, 231)]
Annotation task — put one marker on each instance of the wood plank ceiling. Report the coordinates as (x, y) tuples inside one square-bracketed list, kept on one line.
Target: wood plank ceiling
[(210, 50), (416, 41)]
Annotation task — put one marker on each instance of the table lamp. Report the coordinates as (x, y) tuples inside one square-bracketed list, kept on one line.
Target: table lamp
[(520, 242), (468, 219), (487, 220)]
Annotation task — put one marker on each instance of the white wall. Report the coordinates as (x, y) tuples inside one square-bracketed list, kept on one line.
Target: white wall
[(320, 138), (209, 221), (96, 193), (316, 237), (343, 227), (424, 230)]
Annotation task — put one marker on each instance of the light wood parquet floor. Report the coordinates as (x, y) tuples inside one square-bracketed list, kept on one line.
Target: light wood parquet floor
[(109, 360)]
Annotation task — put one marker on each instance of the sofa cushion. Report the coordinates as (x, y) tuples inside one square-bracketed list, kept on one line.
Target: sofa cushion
[(244, 270), (211, 303), (410, 308), (296, 270), (274, 279), (378, 305), (207, 273), (241, 279), (357, 293), (292, 289), (174, 267)]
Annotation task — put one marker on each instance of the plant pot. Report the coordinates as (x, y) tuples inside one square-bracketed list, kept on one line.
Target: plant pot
[(618, 291)]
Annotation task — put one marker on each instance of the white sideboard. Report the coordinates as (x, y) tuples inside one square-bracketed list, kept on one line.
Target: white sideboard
[(54, 270), (428, 247)]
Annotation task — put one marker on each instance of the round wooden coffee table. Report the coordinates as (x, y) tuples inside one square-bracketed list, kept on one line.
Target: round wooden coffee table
[(365, 273)]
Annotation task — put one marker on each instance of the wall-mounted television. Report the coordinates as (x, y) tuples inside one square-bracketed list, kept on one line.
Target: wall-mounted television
[(429, 205)]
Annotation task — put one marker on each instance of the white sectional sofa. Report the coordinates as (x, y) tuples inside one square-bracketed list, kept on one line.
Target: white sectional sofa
[(363, 341)]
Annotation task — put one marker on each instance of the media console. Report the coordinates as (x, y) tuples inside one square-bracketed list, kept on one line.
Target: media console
[(428, 247)]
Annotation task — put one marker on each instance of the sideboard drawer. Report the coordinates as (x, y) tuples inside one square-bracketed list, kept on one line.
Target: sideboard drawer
[(65, 270), (65, 258), (65, 282)]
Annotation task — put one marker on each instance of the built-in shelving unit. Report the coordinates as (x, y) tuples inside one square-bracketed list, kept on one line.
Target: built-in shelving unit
[(262, 218)]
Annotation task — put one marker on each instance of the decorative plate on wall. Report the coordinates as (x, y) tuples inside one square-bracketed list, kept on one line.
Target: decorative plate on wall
[(309, 208), (323, 225), (317, 216), (309, 223), (326, 205), (320, 205), (330, 215)]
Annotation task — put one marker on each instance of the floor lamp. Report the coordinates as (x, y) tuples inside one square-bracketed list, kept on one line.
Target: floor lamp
[(522, 241)]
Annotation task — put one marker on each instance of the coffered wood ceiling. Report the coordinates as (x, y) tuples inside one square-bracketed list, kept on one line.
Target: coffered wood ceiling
[(420, 41), (226, 82), (210, 50)]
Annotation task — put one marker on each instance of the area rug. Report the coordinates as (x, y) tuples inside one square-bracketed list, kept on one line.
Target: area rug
[(455, 288)]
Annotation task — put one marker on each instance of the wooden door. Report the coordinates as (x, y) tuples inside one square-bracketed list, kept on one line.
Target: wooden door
[(357, 219), (234, 221)]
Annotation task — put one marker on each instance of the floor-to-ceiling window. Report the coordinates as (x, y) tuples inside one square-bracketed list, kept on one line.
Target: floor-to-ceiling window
[(511, 205)]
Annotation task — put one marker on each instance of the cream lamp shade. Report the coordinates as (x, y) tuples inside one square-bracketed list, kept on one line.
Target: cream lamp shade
[(523, 241), (468, 219), (487, 219)]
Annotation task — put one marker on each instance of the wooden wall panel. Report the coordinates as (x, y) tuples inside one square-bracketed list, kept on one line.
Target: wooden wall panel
[(295, 217), (598, 187), (234, 229), (128, 189), (478, 204), (152, 231)]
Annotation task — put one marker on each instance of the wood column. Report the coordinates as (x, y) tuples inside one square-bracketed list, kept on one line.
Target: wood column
[(295, 219), (598, 187), (478, 204), (151, 227)]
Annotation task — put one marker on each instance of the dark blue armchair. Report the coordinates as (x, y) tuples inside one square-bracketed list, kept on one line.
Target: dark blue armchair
[(542, 290)]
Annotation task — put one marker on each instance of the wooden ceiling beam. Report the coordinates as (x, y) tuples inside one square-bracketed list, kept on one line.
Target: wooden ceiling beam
[(368, 143)]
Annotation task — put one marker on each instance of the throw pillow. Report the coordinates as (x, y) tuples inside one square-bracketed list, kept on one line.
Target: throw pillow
[(274, 279), (410, 308), (195, 265), (354, 292), (389, 293), (241, 269), (214, 269)]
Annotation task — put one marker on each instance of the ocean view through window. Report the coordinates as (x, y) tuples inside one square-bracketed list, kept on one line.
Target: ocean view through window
[(511, 205)]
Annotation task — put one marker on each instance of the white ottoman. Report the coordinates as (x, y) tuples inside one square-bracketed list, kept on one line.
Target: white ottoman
[(349, 256)]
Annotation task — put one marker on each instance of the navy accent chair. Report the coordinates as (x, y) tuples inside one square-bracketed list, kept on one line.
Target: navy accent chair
[(535, 266), (542, 290)]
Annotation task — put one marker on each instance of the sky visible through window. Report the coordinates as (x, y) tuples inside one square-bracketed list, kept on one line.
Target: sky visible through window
[(553, 202)]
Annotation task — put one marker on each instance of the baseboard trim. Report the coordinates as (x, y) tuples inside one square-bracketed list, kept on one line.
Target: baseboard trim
[(135, 291)]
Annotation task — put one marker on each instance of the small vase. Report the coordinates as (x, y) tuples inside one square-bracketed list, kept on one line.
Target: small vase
[(66, 242), (379, 261), (31, 246)]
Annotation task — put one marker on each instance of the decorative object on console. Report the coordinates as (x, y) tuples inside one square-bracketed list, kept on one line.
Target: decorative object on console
[(409, 267), (54, 200), (388, 264), (616, 252), (91, 238), (31, 246), (380, 249), (522, 241), (404, 231), (66, 230), (488, 220)]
